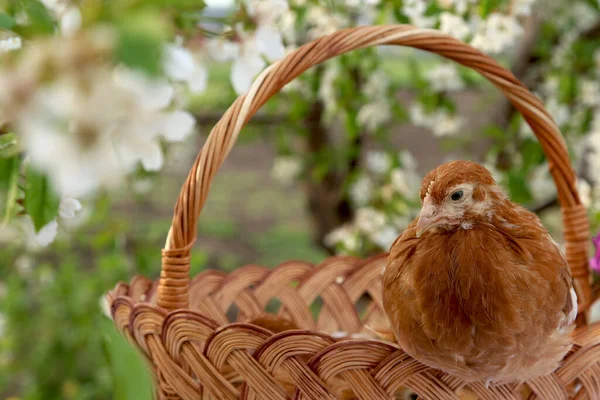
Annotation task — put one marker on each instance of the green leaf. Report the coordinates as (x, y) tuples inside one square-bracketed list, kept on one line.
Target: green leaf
[(181, 5), (131, 377), (41, 20), (517, 185), (6, 21), (398, 14), (41, 202), (567, 87), (9, 189), (487, 6), (9, 145), (533, 154), (141, 39)]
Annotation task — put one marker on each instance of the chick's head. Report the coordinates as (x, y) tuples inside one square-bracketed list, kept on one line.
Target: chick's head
[(456, 194)]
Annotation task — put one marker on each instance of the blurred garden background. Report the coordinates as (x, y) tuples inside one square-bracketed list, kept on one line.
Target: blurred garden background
[(105, 104)]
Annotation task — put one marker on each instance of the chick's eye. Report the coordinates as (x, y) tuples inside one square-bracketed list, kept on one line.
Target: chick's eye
[(457, 195)]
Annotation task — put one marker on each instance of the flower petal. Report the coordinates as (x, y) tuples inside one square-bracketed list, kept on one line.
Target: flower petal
[(152, 94), (244, 69), (151, 156), (70, 21), (68, 207), (46, 235), (178, 125), (197, 81), (178, 62), (269, 42), (222, 50)]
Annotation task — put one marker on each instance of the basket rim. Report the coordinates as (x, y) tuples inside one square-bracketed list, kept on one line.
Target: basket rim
[(174, 284), (171, 340)]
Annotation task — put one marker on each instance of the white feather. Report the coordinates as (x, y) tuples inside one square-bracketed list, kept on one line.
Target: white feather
[(573, 314)]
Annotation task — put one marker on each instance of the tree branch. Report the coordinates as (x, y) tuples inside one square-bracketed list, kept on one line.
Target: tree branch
[(548, 204)]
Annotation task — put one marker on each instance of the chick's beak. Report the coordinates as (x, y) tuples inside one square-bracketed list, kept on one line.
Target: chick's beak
[(427, 219)]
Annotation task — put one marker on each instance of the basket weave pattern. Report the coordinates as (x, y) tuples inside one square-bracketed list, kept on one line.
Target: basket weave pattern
[(182, 325)]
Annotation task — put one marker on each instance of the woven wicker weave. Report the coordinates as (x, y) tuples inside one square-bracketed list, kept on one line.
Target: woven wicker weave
[(182, 326)]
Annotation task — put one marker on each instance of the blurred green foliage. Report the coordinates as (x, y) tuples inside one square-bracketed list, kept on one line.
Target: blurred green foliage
[(57, 344)]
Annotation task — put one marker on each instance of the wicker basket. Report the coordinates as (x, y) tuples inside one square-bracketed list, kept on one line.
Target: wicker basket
[(181, 325)]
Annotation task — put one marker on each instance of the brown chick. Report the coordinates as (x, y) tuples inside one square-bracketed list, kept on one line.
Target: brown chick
[(476, 286)]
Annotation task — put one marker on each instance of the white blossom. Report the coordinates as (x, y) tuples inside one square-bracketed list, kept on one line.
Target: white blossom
[(406, 182), (379, 162), (595, 206), (415, 11), (525, 130), (68, 16), (447, 124), (327, 90), (142, 186), (248, 49), (459, 5), (496, 33), (369, 220), (593, 155), (377, 85), (47, 233), (440, 122), (35, 241), (104, 307), (584, 15), (401, 222), (387, 192), (550, 86), (24, 266), (362, 190), (384, 238), (181, 66), (9, 44), (287, 26), (589, 92), (101, 122), (454, 25), (559, 112), (444, 77), (541, 183), (70, 21), (247, 64), (418, 115), (374, 115), (323, 21), (400, 182), (339, 235), (57, 6), (522, 7), (68, 207), (594, 313), (266, 14), (286, 169), (585, 192), (407, 160)]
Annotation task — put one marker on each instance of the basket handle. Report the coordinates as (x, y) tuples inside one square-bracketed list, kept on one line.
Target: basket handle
[(174, 279)]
